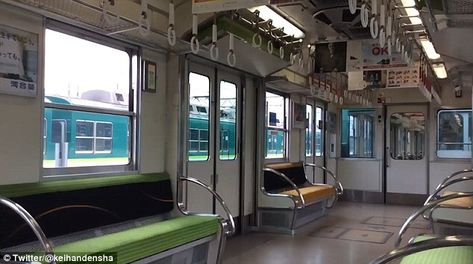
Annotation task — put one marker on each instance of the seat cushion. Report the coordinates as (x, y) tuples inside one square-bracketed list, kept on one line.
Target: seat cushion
[(450, 255), (137, 243), (460, 203), (315, 193)]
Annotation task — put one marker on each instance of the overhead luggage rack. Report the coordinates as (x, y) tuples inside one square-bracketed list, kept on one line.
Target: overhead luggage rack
[(106, 22)]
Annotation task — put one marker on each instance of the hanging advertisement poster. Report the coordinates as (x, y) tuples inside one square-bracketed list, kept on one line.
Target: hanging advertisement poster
[(18, 62), (330, 57), (210, 6), (375, 79), (404, 77), (318, 85), (354, 56), (375, 57)]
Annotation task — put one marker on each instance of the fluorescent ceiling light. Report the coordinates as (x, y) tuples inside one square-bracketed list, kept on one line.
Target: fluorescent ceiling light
[(440, 71), (413, 15), (408, 2), (411, 11), (267, 13), (429, 49)]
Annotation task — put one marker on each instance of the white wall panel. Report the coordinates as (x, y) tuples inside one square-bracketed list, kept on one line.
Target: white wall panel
[(363, 175), (441, 169), (20, 117), (153, 119), (250, 145)]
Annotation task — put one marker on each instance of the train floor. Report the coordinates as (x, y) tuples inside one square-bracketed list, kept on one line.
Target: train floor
[(351, 233)]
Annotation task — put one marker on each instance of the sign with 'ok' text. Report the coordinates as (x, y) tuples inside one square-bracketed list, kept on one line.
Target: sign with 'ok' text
[(377, 57)]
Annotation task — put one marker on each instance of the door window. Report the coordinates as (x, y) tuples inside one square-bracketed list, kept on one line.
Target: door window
[(199, 105), (407, 136), (227, 120), (309, 132)]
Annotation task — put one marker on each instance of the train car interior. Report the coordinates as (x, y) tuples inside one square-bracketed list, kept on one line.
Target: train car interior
[(224, 131)]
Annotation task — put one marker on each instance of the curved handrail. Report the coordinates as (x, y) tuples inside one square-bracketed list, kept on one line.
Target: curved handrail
[(331, 174), (217, 197), (450, 241), (446, 184), (294, 186), (338, 185), (453, 175), (19, 210), (421, 211)]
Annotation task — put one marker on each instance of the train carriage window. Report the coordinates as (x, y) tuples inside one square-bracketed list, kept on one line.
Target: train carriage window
[(84, 136), (85, 129), (276, 126), (454, 134), (90, 85), (104, 129), (94, 137), (357, 133), (199, 95), (103, 137), (227, 121)]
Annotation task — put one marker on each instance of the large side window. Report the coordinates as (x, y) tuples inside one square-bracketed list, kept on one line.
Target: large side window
[(89, 102), (357, 133), (276, 125), (454, 134)]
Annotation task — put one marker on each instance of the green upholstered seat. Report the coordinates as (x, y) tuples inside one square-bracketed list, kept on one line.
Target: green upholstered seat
[(449, 255), (24, 189), (141, 242)]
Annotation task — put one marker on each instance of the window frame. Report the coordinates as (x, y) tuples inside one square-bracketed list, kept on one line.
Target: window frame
[(437, 136), (285, 129), (134, 97)]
